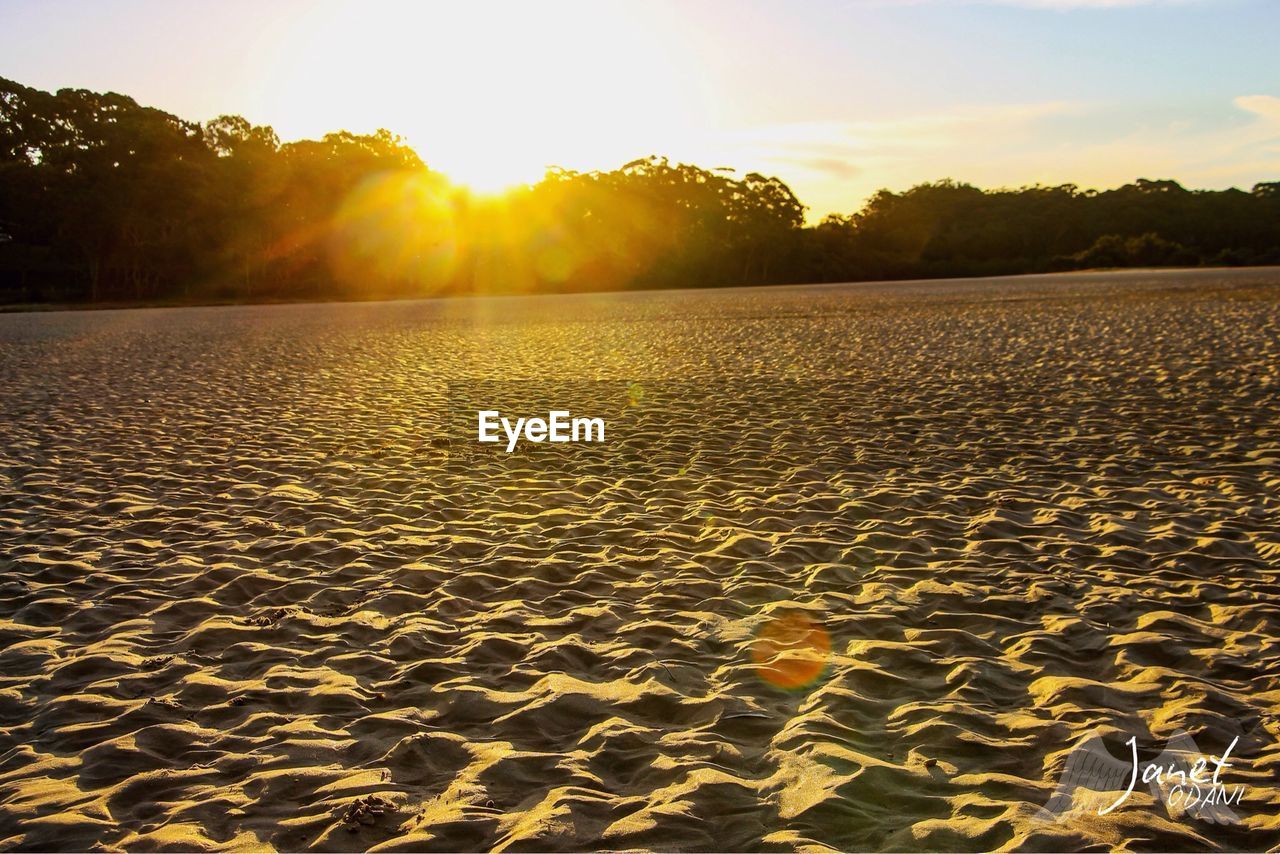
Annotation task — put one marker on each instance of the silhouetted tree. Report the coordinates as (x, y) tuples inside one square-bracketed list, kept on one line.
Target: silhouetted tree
[(103, 199)]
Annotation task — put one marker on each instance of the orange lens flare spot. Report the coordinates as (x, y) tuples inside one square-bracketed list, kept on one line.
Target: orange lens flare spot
[(396, 232), (791, 651)]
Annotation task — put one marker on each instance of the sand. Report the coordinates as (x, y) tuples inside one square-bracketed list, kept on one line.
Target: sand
[(259, 587)]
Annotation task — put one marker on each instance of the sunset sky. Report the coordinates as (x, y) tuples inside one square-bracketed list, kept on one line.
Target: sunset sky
[(836, 98)]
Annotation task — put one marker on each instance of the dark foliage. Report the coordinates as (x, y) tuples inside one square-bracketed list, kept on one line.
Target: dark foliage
[(105, 200)]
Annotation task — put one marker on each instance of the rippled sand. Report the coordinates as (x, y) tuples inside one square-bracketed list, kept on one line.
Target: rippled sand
[(259, 586)]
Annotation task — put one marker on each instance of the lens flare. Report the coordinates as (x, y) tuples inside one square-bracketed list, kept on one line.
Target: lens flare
[(791, 651), (396, 233)]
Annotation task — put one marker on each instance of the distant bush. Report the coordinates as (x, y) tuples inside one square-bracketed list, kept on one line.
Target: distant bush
[(1145, 250)]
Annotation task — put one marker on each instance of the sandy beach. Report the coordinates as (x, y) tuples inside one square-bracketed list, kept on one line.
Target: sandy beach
[(857, 567)]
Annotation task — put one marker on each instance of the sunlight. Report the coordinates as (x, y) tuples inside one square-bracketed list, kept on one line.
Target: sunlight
[(497, 94), (396, 228)]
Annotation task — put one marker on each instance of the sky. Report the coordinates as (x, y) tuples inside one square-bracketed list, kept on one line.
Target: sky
[(839, 98)]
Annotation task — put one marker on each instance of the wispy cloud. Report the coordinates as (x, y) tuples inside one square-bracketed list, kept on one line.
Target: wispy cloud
[(1084, 4), (1034, 4), (1266, 106), (833, 166)]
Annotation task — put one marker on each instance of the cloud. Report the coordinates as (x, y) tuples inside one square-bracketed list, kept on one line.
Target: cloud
[(834, 166), (1083, 4), (1266, 106), (876, 150), (1033, 4)]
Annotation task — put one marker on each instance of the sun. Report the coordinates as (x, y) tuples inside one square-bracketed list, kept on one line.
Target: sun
[(493, 95), (492, 166)]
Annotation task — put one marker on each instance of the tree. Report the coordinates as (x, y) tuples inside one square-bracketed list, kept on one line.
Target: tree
[(104, 199)]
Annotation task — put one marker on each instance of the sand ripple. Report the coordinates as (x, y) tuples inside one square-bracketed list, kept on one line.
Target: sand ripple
[(259, 588)]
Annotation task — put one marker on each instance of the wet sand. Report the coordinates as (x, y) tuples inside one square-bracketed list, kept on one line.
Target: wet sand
[(259, 587)]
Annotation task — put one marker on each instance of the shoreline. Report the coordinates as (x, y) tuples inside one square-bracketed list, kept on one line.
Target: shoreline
[(1061, 275)]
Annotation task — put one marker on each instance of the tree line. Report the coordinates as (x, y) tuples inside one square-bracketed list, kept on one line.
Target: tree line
[(105, 200)]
